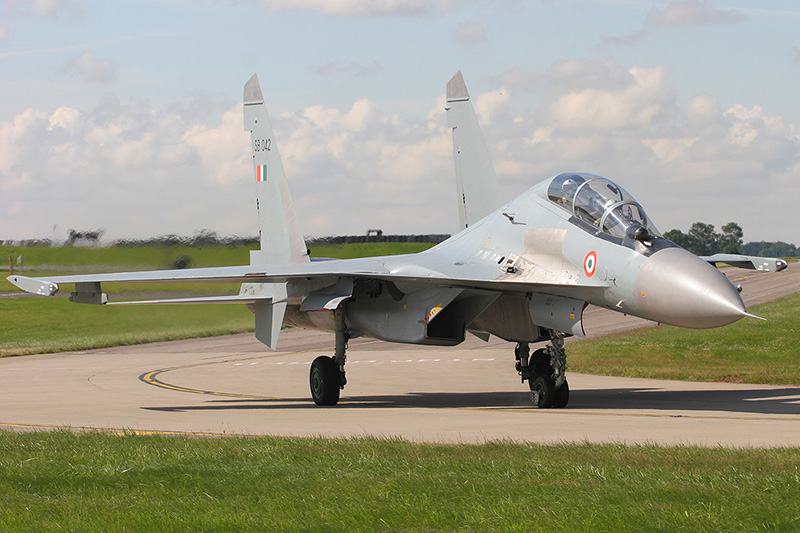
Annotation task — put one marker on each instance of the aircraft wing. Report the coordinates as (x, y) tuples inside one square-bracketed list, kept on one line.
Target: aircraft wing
[(767, 264), (322, 273)]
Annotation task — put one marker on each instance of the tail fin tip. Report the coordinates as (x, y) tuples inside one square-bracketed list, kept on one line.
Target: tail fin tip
[(457, 88), (252, 91)]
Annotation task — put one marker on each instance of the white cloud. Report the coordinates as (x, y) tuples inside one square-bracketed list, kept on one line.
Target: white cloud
[(470, 33), (576, 75), (4, 28), (41, 8), (139, 171), (360, 8), (361, 168), (353, 68), (93, 70), (224, 149), (136, 171), (698, 161), (702, 111), (640, 101), (681, 13), (691, 12), (629, 39), (47, 7), (518, 80), (124, 167), (488, 104)]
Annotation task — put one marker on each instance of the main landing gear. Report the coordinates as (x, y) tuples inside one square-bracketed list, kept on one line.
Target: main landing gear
[(327, 376), (545, 371)]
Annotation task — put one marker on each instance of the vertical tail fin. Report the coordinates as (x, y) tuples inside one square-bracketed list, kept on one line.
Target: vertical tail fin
[(476, 181), (281, 239)]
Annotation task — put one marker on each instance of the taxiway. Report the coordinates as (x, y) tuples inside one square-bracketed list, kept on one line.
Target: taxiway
[(469, 393)]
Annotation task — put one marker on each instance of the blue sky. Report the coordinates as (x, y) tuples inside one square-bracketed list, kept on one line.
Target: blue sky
[(126, 116)]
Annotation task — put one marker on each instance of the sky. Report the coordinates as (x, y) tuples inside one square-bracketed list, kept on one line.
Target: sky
[(126, 116)]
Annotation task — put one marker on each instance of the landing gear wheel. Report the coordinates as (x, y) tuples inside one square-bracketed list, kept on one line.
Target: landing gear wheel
[(561, 398), (325, 380), (544, 391), (540, 362)]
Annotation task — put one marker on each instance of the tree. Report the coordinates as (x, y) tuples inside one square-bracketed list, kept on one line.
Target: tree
[(730, 242), (771, 249), (705, 241), (679, 238)]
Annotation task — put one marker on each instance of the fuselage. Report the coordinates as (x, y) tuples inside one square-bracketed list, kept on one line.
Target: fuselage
[(533, 265)]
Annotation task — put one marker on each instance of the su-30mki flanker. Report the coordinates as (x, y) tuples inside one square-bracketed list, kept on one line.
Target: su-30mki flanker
[(523, 270)]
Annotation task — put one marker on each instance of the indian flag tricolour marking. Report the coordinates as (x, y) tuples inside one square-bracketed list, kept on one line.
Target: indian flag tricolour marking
[(261, 172)]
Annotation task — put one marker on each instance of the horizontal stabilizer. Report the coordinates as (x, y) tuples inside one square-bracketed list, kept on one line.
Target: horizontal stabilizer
[(767, 264)]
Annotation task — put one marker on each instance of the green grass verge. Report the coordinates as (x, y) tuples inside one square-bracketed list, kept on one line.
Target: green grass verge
[(39, 325), (128, 256), (748, 351), (93, 482), (164, 256), (368, 249), (42, 261)]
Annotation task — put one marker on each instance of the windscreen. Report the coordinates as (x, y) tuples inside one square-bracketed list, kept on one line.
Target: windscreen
[(600, 203)]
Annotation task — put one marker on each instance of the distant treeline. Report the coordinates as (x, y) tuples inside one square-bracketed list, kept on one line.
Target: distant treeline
[(703, 239), (770, 249), (202, 238), (210, 238), (351, 239)]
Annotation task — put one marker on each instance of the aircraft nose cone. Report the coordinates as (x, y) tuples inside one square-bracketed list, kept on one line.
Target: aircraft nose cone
[(678, 288)]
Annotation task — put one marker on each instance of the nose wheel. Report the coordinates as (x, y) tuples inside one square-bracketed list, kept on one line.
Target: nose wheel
[(545, 372)]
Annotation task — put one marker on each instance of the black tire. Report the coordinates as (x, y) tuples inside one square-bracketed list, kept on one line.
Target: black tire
[(325, 381), (546, 387), (540, 362), (561, 398)]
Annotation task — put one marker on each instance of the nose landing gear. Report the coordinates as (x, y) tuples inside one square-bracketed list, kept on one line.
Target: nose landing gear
[(545, 371)]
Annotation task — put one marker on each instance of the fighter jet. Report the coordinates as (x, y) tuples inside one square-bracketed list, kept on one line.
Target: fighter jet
[(523, 270)]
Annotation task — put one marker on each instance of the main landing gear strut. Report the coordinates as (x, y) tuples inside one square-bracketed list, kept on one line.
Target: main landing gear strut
[(545, 371), (327, 376)]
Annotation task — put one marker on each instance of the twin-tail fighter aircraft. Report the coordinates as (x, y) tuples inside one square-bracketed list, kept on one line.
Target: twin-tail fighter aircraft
[(523, 270)]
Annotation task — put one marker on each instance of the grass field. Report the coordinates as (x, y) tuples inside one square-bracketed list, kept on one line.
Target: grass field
[(92, 482), (40, 325), (34, 325), (748, 351), (38, 261), (158, 257)]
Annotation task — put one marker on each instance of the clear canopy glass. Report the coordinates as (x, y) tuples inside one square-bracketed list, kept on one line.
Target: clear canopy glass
[(601, 203)]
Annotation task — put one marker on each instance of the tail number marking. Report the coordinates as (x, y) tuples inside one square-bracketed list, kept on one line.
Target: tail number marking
[(262, 145)]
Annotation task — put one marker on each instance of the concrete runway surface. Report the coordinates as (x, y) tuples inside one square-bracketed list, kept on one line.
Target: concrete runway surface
[(468, 393)]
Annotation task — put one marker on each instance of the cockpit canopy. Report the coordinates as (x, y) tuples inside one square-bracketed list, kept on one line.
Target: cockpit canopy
[(602, 204)]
